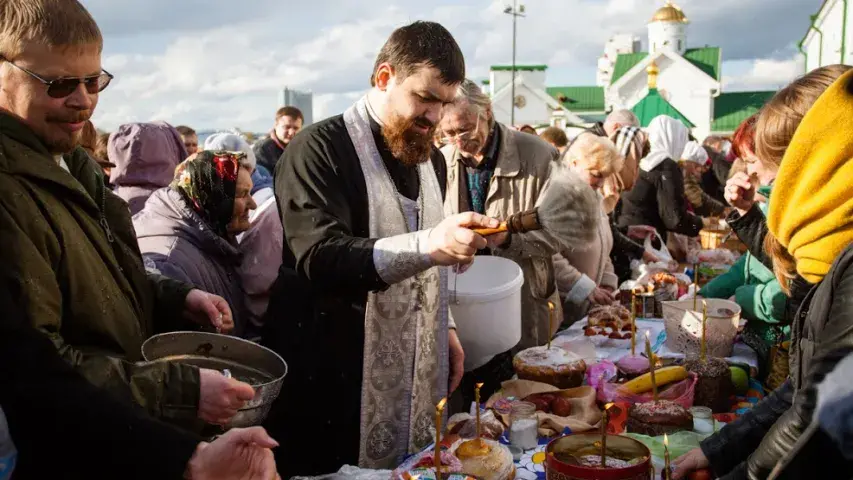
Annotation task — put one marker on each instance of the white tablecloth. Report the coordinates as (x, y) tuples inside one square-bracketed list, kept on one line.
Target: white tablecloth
[(609, 349)]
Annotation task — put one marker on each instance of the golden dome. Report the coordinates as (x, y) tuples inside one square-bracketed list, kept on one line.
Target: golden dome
[(652, 69), (669, 13)]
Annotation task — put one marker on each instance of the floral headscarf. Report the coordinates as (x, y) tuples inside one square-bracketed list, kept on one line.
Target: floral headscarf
[(208, 183)]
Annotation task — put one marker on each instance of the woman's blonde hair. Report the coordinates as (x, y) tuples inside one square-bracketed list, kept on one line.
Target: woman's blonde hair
[(777, 123), (596, 153)]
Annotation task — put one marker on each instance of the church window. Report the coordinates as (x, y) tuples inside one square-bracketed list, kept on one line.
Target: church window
[(679, 45)]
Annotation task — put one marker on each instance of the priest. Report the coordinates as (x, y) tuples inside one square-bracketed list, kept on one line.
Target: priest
[(360, 309)]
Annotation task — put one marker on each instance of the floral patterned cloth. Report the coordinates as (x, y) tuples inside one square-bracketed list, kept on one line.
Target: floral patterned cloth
[(208, 183)]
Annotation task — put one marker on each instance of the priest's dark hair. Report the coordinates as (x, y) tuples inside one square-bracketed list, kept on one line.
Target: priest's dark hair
[(422, 44)]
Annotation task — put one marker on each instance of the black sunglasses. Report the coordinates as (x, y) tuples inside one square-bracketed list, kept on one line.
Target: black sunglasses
[(64, 86)]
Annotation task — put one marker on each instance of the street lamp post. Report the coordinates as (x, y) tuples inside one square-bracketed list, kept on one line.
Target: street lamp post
[(516, 11)]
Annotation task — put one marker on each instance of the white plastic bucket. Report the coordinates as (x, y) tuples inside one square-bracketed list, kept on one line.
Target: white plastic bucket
[(486, 306)]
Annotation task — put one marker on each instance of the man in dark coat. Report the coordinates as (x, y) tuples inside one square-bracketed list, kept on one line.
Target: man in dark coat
[(65, 427), (69, 250), (288, 122), (359, 310)]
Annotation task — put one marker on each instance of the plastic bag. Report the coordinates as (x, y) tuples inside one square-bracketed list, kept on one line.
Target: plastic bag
[(678, 392), (662, 254), (601, 372), (679, 443)]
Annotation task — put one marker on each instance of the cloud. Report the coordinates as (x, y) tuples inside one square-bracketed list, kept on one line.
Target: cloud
[(222, 64), (765, 74)]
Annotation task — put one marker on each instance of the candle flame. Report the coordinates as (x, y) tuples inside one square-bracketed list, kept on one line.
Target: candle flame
[(551, 306), (647, 335), (704, 304), (606, 407), (441, 404), (665, 440), (480, 385)]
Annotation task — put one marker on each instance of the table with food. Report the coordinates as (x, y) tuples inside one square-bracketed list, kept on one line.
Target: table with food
[(618, 395)]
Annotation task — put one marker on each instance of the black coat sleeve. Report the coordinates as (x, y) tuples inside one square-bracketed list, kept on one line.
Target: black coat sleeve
[(65, 427), (621, 243), (316, 213), (672, 203), (751, 228), (836, 335), (731, 446)]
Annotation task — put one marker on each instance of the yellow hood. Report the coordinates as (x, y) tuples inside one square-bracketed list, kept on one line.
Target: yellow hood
[(811, 210)]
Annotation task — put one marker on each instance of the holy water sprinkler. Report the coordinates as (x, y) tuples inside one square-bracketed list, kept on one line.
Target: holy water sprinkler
[(568, 209), (521, 222)]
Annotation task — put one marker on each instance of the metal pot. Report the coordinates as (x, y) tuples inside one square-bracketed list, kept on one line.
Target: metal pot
[(582, 444), (249, 362)]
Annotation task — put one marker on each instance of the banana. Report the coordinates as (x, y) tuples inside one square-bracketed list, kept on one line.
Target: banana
[(663, 376)]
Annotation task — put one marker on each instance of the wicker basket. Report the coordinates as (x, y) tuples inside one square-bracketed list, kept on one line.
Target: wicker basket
[(684, 327), (712, 239)]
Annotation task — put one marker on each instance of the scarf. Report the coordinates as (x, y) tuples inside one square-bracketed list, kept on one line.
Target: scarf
[(811, 212), (630, 142), (693, 152), (208, 183), (667, 138)]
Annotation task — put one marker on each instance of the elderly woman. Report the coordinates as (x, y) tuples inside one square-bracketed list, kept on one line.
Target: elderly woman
[(694, 163), (145, 155), (585, 277), (262, 244), (188, 231), (657, 198)]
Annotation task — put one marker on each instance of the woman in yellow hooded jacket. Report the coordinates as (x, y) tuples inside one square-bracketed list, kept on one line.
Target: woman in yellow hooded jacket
[(810, 222)]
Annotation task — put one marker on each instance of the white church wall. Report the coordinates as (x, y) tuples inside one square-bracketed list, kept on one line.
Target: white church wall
[(534, 112), (668, 35), (500, 78)]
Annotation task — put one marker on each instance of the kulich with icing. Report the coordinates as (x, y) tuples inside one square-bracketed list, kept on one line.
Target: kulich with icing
[(555, 366)]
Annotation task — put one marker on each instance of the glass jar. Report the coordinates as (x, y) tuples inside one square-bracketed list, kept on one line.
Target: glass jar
[(703, 420), (524, 426)]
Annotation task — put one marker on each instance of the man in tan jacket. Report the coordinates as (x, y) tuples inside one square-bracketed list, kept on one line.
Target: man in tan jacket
[(498, 171)]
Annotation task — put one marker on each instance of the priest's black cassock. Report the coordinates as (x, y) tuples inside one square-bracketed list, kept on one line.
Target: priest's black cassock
[(316, 319)]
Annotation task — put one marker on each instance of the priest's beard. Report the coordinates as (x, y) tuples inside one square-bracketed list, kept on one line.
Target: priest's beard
[(407, 145)]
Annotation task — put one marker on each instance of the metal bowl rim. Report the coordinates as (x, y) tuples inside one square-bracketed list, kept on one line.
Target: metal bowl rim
[(217, 335)]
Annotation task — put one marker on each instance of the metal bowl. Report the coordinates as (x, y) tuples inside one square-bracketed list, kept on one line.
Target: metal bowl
[(249, 362)]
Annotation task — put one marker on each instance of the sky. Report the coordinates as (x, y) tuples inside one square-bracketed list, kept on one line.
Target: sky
[(221, 64)]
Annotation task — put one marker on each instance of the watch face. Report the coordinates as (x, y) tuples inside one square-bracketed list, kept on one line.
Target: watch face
[(520, 101)]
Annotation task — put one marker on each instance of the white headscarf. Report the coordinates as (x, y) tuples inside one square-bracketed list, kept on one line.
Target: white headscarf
[(693, 152), (231, 142), (667, 138)]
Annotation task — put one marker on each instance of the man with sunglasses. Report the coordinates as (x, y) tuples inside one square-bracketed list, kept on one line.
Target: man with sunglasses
[(69, 252), (498, 171)]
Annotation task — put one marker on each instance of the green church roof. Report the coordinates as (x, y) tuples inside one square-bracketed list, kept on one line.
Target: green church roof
[(706, 59), (579, 99), (519, 68), (731, 109), (654, 105)]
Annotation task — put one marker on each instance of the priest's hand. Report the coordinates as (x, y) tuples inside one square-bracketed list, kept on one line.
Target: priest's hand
[(242, 453), (457, 361), (220, 397), (206, 309), (453, 241)]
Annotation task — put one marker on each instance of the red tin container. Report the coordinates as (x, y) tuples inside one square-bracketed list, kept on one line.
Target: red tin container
[(583, 444)]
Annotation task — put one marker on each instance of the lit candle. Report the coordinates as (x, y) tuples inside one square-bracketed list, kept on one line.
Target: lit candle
[(633, 324), (477, 401), (666, 468), (439, 409), (651, 366), (605, 418), (550, 323), (702, 346)]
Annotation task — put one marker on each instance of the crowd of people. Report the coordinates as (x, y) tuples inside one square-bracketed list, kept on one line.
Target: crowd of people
[(331, 245)]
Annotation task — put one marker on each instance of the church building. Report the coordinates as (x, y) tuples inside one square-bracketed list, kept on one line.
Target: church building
[(669, 78)]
